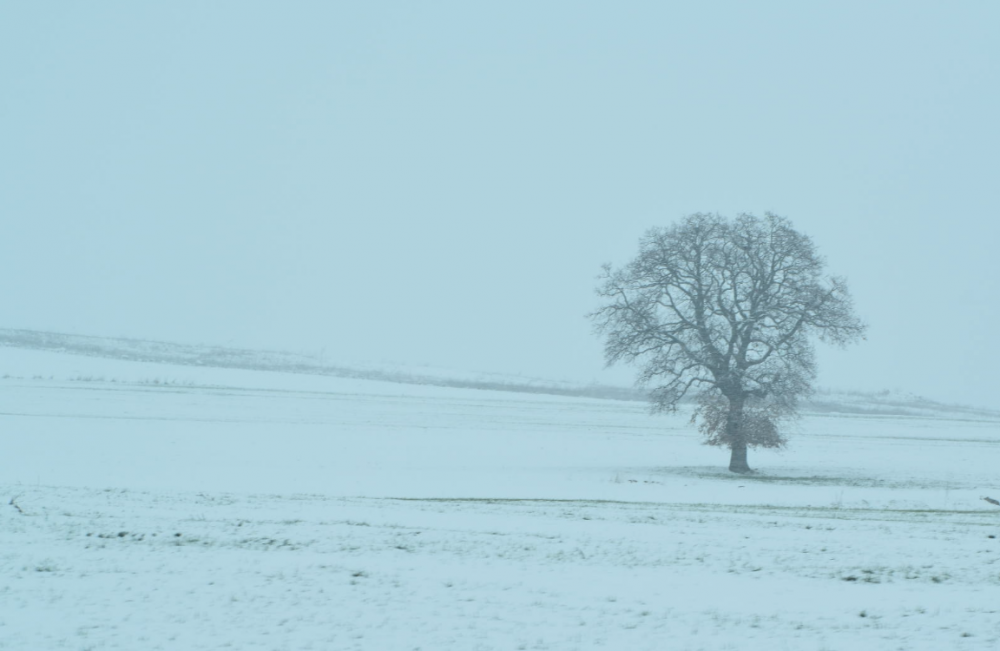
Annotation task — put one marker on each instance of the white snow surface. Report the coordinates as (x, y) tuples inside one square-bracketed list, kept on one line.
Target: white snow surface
[(151, 506)]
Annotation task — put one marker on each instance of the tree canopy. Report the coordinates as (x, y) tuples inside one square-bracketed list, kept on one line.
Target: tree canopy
[(725, 310)]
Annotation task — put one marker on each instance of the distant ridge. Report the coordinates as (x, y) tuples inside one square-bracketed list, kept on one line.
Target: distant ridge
[(144, 350), (883, 403)]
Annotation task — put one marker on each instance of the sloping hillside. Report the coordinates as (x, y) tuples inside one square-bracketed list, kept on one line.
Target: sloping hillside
[(887, 403)]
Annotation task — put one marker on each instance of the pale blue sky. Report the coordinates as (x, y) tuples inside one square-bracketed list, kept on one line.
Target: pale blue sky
[(440, 182)]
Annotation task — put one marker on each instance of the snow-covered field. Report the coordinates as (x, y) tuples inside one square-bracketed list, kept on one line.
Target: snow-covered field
[(150, 506)]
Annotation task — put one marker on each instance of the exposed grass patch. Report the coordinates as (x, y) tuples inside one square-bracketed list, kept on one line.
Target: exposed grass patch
[(763, 477)]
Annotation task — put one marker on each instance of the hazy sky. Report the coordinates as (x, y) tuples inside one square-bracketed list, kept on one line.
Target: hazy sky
[(440, 182)]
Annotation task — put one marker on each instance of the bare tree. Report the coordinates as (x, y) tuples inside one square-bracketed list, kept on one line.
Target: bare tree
[(725, 310)]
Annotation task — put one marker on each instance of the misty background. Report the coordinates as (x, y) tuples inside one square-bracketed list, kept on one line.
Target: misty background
[(439, 183)]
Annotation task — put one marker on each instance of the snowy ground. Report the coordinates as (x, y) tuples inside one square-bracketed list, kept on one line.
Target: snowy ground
[(151, 506)]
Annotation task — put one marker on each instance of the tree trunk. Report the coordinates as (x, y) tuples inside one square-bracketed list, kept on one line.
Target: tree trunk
[(738, 444), (738, 459)]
